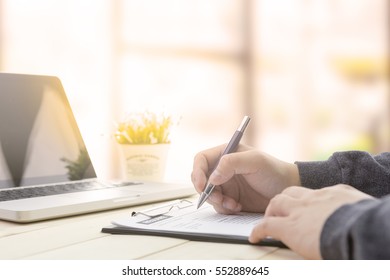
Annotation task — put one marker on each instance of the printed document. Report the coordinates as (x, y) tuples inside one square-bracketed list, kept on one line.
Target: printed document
[(183, 217)]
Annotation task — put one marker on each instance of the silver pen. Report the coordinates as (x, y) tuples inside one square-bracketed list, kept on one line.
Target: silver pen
[(230, 148)]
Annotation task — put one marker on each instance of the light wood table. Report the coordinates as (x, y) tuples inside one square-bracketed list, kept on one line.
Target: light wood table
[(80, 238)]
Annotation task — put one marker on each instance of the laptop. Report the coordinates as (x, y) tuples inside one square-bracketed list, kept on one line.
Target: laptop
[(45, 168)]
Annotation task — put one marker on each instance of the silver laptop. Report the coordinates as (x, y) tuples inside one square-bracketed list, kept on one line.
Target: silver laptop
[(45, 169)]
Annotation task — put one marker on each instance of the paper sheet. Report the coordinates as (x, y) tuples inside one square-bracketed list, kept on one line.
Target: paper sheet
[(188, 219)]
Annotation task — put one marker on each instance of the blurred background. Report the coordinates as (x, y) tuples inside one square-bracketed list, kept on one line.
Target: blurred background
[(312, 74)]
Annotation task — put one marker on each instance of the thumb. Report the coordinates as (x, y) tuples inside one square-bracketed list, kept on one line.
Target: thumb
[(224, 170), (245, 162)]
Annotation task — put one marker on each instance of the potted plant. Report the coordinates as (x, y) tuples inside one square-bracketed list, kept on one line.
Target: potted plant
[(144, 139)]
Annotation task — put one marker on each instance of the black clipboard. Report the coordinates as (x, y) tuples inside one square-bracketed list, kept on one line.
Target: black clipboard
[(193, 236), (217, 238)]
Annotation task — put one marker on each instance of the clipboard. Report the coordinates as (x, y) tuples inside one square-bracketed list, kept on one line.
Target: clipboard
[(156, 222)]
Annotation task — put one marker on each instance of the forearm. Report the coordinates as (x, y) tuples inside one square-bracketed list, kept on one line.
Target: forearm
[(367, 173), (358, 231)]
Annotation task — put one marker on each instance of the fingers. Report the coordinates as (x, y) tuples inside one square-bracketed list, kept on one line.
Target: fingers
[(296, 192), (279, 213), (198, 176), (206, 161), (224, 204), (245, 162), (203, 163), (271, 226), (228, 165), (281, 205)]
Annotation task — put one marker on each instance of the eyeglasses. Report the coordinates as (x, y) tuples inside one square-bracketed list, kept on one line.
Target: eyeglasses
[(182, 204)]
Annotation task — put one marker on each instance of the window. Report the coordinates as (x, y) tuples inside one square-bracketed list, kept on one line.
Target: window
[(312, 74)]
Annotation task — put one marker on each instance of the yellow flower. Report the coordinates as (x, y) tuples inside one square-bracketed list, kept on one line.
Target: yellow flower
[(144, 128)]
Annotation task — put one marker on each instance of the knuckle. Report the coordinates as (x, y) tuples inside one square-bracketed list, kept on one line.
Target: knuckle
[(193, 177), (265, 228), (224, 165), (274, 202), (199, 157), (225, 161)]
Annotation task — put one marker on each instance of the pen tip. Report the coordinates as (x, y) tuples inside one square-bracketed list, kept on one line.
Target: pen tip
[(201, 200)]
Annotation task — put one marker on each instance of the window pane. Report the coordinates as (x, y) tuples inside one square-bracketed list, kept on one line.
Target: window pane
[(322, 78), (199, 24)]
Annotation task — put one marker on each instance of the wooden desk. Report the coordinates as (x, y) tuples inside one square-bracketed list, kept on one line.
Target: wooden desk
[(80, 238)]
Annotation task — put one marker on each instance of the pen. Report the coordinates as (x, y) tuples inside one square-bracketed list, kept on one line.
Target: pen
[(230, 148)]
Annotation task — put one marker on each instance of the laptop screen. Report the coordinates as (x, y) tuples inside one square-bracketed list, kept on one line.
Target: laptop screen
[(40, 142)]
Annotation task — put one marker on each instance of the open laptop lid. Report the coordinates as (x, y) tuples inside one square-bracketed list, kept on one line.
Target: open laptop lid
[(40, 141)]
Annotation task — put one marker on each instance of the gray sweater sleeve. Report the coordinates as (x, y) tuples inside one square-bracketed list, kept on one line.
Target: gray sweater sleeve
[(360, 230), (367, 173)]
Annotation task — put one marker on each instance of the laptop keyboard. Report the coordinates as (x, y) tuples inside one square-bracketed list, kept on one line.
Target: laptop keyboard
[(38, 191)]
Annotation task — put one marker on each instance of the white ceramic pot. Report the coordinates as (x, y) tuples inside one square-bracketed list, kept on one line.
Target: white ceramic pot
[(145, 162)]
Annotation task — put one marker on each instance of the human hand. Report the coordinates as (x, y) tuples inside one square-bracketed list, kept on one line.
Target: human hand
[(297, 216), (245, 180)]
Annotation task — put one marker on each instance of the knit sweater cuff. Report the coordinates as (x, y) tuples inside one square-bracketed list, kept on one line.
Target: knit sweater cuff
[(318, 174)]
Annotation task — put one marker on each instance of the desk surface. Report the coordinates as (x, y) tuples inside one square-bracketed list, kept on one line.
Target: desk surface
[(80, 238)]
